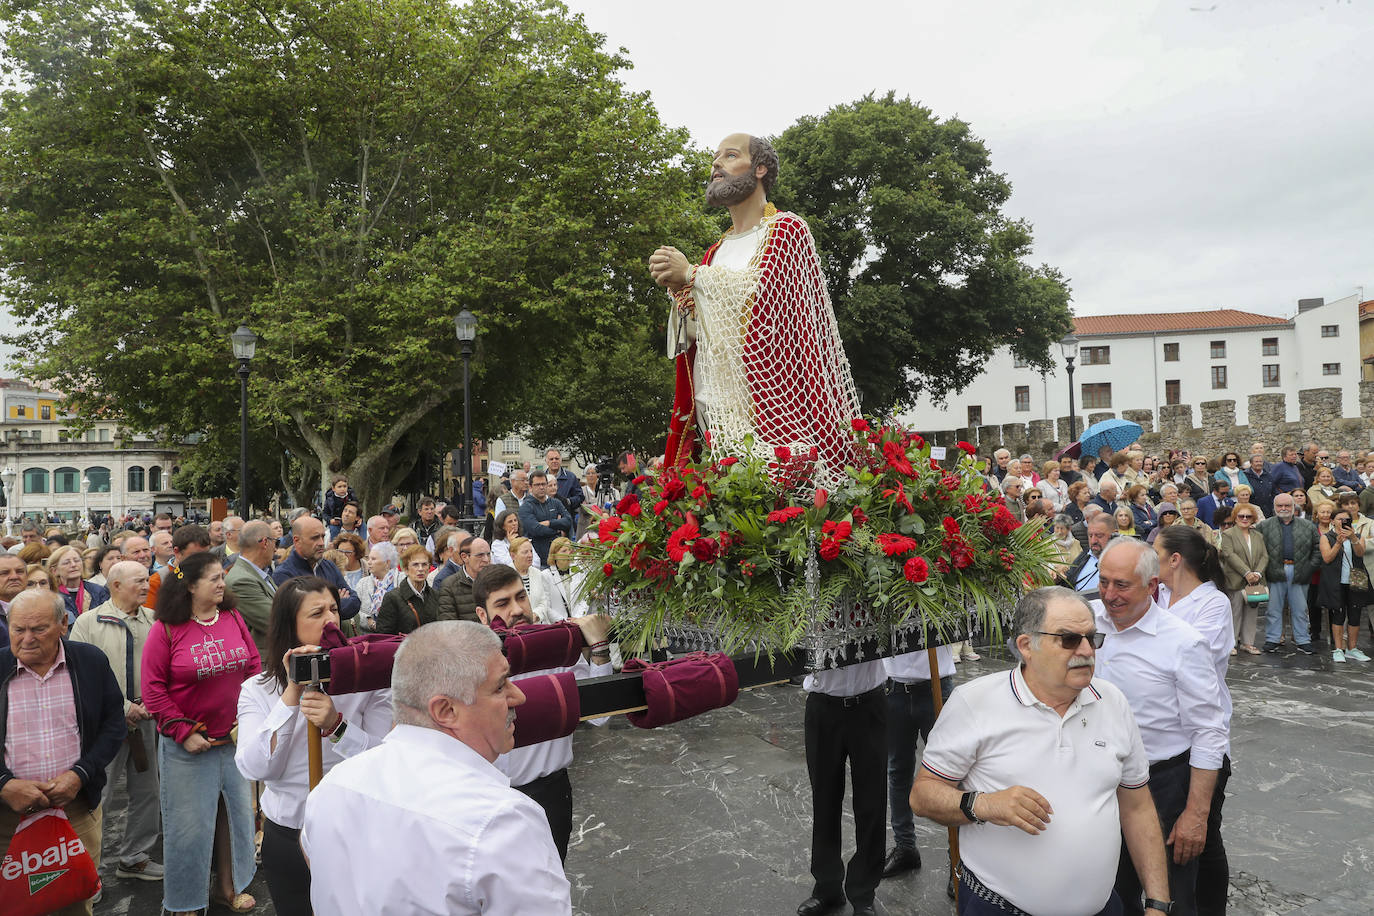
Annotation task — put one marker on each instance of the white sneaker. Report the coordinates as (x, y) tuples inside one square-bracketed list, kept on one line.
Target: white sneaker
[(1357, 655), (1338, 656)]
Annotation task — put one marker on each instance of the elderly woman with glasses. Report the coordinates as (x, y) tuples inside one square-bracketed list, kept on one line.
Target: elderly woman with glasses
[(1244, 559)]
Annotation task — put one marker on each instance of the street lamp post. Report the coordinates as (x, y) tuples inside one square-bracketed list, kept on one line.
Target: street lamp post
[(7, 478), (85, 502), (1069, 347), (466, 326), (245, 345)]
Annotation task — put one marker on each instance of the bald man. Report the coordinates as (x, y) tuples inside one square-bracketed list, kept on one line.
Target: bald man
[(307, 559)]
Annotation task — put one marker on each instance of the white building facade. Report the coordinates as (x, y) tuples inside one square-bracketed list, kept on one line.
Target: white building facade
[(1147, 361)]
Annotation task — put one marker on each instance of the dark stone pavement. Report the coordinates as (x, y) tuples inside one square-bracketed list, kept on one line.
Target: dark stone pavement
[(711, 816)]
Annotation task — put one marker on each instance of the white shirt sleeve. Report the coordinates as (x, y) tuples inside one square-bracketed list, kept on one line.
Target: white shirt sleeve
[(1199, 708), (262, 716), (952, 746)]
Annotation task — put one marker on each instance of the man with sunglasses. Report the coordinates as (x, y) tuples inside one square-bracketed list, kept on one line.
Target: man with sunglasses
[(1043, 770), (1165, 668)]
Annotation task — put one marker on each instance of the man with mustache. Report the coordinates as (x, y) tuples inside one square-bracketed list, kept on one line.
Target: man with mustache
[(1042, 766), (425, 822), (1165, 668), (757, 349)]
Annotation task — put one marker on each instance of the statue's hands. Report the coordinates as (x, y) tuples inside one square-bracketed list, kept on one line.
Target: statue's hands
[(669, 267)]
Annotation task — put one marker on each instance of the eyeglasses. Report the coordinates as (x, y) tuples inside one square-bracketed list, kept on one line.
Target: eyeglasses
[(1233, 461), (1070, 641), (1199, 464)]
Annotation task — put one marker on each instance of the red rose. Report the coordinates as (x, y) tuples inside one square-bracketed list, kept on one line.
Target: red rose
[(916, 570), (705, 550), (860, 425), (608, 569), (830, 549), (606, 529), (859, 516), (821, 497), (966, 448), (660, 507), (629, 505), (783, 453), (640, 479), (894, 545), (698, 492), (674, 488), (916, 440)]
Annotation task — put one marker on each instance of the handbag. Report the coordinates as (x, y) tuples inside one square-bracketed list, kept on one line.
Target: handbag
[(1359, 579), (1256, 594), (46, 867)]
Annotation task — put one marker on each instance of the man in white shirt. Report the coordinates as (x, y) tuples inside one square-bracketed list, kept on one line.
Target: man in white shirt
[(846, 717), (910, 715), (541, 770), (1165, 669), (1043, 771), (426, 823)]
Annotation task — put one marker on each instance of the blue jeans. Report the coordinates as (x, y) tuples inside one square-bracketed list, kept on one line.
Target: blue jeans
[(192, 786), (1295, 595), (910, 714)]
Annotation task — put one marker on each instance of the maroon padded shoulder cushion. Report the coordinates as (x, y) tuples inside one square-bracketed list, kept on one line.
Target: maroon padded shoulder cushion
[(683, 687), (539, 646), (551, 710)]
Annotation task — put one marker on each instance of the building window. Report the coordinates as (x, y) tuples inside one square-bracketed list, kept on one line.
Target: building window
[(1270, 375), (1218, 351), (1331, 368), (1331, 330), (22, 411), (1269, 346), (1173, 392), (1020, 362), (511, 446), (135, 479), (1171, 352), (155, 478), (35, 480), (1096, 356), (99, 478), (975, 416), (46, 412), (1218, 376), (104, 435), (1023, 397), (1097, 395), (66, 480)]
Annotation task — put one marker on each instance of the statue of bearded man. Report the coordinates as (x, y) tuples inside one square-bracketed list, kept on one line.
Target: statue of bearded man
[(752, 331)]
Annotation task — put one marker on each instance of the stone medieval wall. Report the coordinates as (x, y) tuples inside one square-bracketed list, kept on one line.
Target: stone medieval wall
[(1319, 421)]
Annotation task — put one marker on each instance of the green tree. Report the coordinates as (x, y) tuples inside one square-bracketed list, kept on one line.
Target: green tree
[(925, 271), (342, 176)]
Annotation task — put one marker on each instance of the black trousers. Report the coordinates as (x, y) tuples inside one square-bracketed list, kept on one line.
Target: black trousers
[(853, 728), (554, 794), (283, 864), (1214, 869), (1169, 788)]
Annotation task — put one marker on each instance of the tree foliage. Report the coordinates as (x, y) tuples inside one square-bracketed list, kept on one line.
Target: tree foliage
[(925, 271), (343, 177)]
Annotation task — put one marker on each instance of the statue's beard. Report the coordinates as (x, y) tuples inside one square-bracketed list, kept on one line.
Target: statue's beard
[(730, 190)]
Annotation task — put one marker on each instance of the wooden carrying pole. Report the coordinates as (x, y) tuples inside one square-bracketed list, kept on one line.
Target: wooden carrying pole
[(937, 692)]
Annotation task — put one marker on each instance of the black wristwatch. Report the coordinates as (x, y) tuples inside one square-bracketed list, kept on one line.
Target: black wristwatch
[(966, 806), (1162, 906)]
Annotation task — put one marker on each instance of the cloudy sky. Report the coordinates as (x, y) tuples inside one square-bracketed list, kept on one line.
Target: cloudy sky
[(1171, 155)]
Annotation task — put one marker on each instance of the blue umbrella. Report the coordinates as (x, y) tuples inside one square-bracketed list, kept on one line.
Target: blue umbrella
[(1114, 433)]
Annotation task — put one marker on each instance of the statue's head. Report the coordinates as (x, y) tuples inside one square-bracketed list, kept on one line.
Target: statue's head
[(742, 163)]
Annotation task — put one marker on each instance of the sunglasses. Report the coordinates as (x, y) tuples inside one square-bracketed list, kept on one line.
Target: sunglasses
[(1070, 641)]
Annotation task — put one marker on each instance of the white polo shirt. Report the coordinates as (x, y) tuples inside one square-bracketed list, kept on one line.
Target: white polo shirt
[(1165, 668), (994, 734), (441, 830)]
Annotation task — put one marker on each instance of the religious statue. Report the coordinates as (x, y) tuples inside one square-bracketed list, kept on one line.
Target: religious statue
[(752, 332)]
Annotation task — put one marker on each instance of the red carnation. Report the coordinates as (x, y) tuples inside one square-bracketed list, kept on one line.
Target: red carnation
[(916, 570), (860, 425), (916, 440), (894, 545), (950, 525), (726, 462), (629, 505), (783, 453), (608, 569), (1003, 522), (966, 448), (698, 492), (830, 549), (606, 529), (941, 564), (639, 480)]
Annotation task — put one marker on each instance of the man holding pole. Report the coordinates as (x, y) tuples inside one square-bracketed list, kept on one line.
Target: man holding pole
[(1042, 769)]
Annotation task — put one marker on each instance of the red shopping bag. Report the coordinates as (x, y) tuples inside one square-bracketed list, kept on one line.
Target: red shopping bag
[(46, 867)]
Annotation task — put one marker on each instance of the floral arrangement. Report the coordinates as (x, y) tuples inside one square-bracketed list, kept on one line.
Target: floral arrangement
[(725, 543)]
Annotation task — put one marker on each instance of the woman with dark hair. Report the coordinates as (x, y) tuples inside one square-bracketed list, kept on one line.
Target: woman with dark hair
[(1138, 498), (507, 529), (1190, 580), (273, 744), (104, 558), (1342, 550), (197, 655), (1080, 494), (354, 550), (1231, 471), (414, 602)]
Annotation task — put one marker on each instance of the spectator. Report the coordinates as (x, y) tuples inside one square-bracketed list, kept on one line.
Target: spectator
[(1052, 485), (1245, 496), (38, 576), (186, 540), (1107, 495), (1168, 514), (1012, 485), (1342, 550), (1118, 472), (1287, 474), (104, 558), (80, 596), (250, 579), (1291, 544), (413, 602), (542, 519), (383, 575), (519, 491), (1125, 523), (13, 573), (403, 538), (193, 664), (563, 584), (161, 542), (1220, 496), (1002, 457), (63, 726), (1345, 472), (1083, 574), (378, 530), (508, 527), (307, 559), (349, 522), (339, 495), (1244, 560), (1301, 507), (455, 596), (119, 628), (428, 522), (450, 554), (563, 483), (1080, 495), (273, 738), (1145, 521), (1198, 481), (1065, 543), (224, 552), (353, 550), (216, 530), (1323, 490), (522, 560), (1311, 454), (1231, 472)]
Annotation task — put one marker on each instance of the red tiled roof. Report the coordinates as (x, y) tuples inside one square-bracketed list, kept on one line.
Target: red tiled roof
[(1145, 323), (1367, 309)]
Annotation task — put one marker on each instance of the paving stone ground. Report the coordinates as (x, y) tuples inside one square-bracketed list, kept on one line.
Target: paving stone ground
[(711, 816)]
